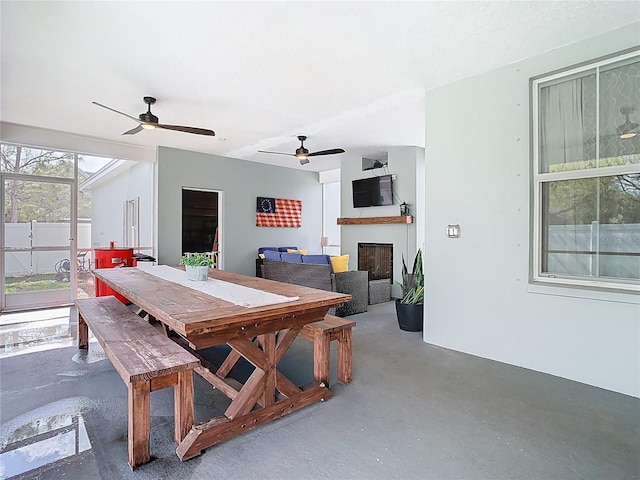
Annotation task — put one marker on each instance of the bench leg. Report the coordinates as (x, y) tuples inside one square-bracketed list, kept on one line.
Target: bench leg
[(183, 405), (321, 356), (83, 333), (139, 423), (345, 357)]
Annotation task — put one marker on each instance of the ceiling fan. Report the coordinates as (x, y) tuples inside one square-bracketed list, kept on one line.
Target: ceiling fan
[(303, 154), (148, 121)]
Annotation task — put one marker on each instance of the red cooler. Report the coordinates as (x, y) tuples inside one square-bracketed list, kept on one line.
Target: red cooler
[(112, 258)]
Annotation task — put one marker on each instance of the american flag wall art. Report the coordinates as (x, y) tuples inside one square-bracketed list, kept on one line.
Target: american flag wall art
[(278, 212)]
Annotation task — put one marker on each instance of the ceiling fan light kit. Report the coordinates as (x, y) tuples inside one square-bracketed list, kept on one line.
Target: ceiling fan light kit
[(148, 121), (303, 154), (628, 129)]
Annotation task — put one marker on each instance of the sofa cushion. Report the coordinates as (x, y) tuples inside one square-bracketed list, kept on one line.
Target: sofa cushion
[(284, 249), (264, 249), (316, 259), (271, 255), (291, 257), (340, 264)]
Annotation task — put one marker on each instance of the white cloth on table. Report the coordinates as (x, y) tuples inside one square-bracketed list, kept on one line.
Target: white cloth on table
[(230, 292)]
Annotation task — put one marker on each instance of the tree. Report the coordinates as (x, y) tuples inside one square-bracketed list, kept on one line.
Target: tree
[(46, 202), (610, 199)]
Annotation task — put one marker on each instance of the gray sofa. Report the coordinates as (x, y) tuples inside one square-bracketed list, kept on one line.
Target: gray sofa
[(354, 283)]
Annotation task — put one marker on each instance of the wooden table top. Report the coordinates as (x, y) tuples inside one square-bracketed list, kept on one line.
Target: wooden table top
[(205, 320)]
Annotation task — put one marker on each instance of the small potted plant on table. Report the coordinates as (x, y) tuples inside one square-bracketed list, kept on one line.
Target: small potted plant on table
[(410, 308), (197, 266)]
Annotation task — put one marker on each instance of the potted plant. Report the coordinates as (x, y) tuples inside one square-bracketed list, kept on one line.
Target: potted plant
[(197, 266), (410, 308)]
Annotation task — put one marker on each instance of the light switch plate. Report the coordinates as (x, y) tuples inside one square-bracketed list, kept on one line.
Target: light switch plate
[(453, 231)]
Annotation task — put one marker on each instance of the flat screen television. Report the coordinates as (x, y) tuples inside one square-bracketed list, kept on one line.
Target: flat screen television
[(372, 192)]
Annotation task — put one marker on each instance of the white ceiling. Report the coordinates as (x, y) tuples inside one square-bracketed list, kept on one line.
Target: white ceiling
[(346, 74)]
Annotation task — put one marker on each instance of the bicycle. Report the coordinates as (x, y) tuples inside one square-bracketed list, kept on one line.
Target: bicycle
[(63, 267)]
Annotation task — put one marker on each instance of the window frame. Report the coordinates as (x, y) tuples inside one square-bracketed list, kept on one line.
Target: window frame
[(131, 216), (539, 179)]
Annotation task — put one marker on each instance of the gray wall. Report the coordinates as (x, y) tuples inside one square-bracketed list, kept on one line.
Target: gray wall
[(478, 298), (240, 182), (407, 164)]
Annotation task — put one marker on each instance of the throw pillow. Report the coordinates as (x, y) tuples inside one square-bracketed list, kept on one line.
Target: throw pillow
[(301, 252), (340, 264), (271, 255)]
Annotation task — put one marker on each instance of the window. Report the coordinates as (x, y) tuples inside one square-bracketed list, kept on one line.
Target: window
[(586, 174), (37, 161), (132, 222), (330, 212)]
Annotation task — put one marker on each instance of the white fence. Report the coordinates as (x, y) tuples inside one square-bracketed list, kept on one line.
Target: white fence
[(595, 250), (36, 234)]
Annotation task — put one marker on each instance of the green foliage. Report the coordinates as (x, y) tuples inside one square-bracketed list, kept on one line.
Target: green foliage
[(414, 295), (413, 283), (33, 283), (197, 260), (32, 200), (608, 200)]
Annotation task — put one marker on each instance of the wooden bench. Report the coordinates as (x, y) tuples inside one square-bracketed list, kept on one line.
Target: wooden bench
[(321, 334), (147, 360)]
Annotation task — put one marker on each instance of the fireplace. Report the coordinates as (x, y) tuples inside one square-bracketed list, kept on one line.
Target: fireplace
[(377, 259)]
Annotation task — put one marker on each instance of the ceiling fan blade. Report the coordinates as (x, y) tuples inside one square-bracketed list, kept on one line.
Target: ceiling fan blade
[(134, 130), (116, 111), (333, 151), (278, 153), (178, 128)]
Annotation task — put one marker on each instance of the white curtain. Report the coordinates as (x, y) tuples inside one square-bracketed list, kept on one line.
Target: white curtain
[(562, 125), (569, 126)]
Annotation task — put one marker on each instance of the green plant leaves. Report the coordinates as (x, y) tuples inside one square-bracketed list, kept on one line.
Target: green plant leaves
[(415, 295), (197, 260), (413, 283), (417, 269)]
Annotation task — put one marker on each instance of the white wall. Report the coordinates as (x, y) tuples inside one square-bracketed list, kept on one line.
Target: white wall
[(107, 202), (404, 163), (240, 182), (478, 298)]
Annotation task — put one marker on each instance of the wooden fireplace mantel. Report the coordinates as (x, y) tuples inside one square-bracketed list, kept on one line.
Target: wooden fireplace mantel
[(375, 220)]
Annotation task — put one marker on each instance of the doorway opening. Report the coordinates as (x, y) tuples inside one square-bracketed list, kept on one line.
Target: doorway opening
[(201, 222)]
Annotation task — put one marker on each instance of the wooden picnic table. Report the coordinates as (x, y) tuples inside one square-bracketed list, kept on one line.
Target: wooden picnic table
[(201, 320)]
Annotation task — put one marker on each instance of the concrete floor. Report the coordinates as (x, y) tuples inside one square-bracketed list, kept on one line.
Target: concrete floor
[(413, 411)]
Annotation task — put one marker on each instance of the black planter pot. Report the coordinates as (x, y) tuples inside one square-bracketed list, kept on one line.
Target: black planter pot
[(410, 316)]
